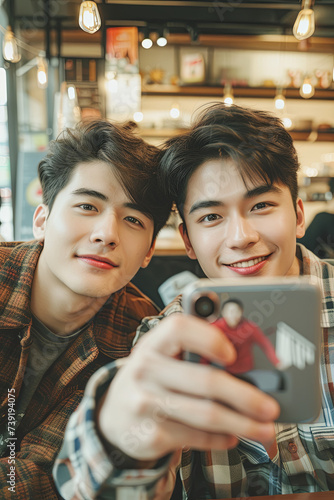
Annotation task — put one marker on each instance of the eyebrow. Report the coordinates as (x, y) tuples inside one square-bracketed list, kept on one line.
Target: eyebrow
[(135, 206), (90, 192), (257, 191)]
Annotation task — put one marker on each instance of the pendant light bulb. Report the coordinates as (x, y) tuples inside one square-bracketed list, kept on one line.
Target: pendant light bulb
[(42, 73), (10, 49), (228, 97), (89, 17), (279, 101), (304, 25), (307, 89)]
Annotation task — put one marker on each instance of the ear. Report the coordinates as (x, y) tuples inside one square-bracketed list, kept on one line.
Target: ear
[(39, 221), (300, 228), (186, 241), (149, 255)]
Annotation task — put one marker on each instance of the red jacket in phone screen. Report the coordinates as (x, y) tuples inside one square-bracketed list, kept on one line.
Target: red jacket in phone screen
[(243, 336)]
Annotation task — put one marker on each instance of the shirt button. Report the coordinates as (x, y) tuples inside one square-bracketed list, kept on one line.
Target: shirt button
[(292, 447)]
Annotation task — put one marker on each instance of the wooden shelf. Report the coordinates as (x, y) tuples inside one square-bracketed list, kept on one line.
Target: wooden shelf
[(312, 136), (218, 91), (166, 133)]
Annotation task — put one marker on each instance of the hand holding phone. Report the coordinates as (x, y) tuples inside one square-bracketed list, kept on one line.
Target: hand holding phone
[(274, 326)]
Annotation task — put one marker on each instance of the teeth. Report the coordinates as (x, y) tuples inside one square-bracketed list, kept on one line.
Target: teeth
[(248, 263)]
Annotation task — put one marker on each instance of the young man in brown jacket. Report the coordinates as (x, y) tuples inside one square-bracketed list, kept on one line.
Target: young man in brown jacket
[(67, 307)]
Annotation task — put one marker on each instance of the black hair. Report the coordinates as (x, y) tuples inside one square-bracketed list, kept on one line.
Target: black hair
[(255, 141), (133, 161)]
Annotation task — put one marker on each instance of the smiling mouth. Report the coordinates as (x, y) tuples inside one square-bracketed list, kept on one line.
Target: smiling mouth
[(248, 263)]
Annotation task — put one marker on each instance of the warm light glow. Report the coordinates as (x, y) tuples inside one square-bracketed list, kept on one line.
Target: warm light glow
[(42, 73), (311, 172), (304, 25), (228, 100), (175, 111), (279, 101), (146, 43), (287, 122), (138, 116), (10, 48), (307, 89), (89, 17), (71, 92), (162, 41)]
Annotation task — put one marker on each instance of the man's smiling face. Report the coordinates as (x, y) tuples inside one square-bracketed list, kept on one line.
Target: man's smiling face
[(234, 230)]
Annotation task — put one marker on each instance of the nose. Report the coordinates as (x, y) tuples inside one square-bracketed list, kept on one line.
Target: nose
[(106, 231), (240, 232)]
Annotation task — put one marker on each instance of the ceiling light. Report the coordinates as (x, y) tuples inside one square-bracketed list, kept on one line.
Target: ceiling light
[(175, 111), (307, 89), (10, 49), (287, 122), (228, 97), (42, 73), (279, 101), (146, 42), (304, 25), (162, 40), (89, 17)]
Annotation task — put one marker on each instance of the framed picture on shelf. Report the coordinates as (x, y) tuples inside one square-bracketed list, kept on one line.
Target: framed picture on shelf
[(192, 69)]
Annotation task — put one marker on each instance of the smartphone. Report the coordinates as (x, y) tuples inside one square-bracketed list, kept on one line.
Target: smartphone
[(274, 325)]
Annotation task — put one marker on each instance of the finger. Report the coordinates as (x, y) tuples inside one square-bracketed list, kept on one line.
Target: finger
[(179, 333), (155, 441), (202, 381), (208, 416)]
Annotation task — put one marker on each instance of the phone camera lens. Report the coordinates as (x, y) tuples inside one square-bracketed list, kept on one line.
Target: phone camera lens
[(204, 307)]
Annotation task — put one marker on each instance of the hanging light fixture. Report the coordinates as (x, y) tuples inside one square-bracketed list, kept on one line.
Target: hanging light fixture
[(146, 42), (228, 97), (304, 25), (89, 17), (307, 88), (162, 40), (175, 111), (42, 73), (10, 49), (279, 100)]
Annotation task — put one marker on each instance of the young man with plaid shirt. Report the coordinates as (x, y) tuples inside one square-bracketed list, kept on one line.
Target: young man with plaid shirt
[(67, 307)]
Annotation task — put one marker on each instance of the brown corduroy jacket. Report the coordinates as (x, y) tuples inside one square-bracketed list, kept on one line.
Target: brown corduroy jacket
[(40, 433)]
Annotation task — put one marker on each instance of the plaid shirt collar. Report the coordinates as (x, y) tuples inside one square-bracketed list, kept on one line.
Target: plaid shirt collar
[(322, 275), (16, 275)]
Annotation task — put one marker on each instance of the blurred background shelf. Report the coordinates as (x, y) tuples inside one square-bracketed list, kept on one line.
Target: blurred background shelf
[(218, 91), (165, 133)]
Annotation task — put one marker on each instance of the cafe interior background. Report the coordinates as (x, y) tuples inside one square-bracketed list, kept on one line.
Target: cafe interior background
[(154, 62)]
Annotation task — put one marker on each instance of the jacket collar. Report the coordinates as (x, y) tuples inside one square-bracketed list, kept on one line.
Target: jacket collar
[(19, 261)]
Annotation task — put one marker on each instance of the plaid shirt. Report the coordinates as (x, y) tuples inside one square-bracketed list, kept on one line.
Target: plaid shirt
[(39, 436), (302, 459)]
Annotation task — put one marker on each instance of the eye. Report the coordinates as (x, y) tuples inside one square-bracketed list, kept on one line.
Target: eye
[(260, 205), (211, 218), (87, 207), (133, 220)]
